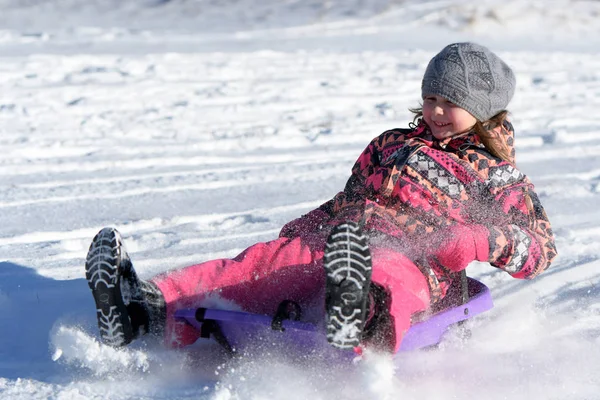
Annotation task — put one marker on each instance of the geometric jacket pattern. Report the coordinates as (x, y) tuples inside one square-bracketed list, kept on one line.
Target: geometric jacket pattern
[(406, 186)]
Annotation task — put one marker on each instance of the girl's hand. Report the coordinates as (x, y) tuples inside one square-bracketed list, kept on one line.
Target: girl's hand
[(455, 247)]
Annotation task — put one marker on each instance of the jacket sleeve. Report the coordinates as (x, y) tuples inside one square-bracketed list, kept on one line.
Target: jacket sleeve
[(354, 189), (308, 222), (523, 246), (359, 184)]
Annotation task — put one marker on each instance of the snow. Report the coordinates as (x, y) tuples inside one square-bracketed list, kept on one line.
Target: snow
[(200, 127)]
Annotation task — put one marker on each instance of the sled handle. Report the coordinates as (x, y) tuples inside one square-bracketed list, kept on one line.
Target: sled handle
[(287, 309), (211, 327), (464, 283)]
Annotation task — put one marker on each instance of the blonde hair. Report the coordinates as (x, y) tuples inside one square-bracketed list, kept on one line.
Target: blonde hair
[(493, 141)]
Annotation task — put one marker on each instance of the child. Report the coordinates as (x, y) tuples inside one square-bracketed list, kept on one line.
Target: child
[(420, 205)]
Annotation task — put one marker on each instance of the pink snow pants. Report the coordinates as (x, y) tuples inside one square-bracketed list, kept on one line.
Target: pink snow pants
[(265, 274)]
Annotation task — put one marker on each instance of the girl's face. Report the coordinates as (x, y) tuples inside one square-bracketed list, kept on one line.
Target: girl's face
[(444, 118)]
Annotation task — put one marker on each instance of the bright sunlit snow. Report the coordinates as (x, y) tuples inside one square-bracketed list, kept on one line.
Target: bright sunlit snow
[(200, 127)]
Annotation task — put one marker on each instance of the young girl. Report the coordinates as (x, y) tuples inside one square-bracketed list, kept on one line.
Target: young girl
[(420, 205)]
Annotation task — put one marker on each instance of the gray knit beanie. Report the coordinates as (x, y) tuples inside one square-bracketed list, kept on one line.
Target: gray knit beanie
[(472, 77)]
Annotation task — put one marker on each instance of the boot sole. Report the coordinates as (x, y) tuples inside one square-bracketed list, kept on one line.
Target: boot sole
[(102, 271), (347, 263)]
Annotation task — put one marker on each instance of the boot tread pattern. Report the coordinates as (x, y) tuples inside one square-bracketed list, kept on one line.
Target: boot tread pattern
[(102, 271), (347, 263)]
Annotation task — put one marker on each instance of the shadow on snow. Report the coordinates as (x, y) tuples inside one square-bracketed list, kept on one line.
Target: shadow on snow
[(30, 305)]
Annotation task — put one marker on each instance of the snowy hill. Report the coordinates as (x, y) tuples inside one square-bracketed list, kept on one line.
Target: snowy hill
[(200, 127), (224, 25)]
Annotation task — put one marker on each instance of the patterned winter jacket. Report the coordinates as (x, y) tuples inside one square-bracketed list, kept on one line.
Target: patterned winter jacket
[(407, 185)]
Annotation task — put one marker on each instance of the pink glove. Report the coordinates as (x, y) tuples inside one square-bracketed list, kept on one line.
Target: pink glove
[(309, 222), (454, 248)]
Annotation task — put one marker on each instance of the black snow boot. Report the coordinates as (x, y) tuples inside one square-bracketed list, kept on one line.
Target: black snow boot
[(126, 306), (347, 263)]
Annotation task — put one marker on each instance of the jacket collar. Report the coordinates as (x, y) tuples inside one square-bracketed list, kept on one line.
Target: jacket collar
[(470, 139)]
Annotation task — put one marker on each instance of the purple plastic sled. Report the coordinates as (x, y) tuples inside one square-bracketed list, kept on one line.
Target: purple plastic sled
[(237, 331)]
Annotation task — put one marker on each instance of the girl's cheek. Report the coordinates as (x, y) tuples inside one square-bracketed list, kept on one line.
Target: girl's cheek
[(426, 110)]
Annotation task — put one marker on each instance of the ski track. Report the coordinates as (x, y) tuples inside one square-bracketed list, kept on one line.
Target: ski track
[(257, 138), (204, 184)]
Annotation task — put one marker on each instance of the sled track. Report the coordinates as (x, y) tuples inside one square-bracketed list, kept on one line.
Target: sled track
[(102, 273), (347, 264)]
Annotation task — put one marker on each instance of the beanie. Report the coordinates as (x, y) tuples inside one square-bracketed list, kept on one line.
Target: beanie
[(472, 77)]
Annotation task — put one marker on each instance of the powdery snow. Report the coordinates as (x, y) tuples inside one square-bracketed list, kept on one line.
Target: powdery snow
[(197, 141)]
